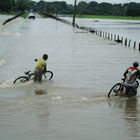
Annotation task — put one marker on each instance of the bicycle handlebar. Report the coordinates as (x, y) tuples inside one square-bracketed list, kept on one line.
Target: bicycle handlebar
[(123, 79), (27, 72)]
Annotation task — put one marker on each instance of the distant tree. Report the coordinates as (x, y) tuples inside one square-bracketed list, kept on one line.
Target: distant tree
[(92, 7), (105, 8), (133, 9), (32, 5), (69, 9), (118, 10), (92, 4), (5, 5), (82, 7), (60, 7), (40, 6), (22, 5)]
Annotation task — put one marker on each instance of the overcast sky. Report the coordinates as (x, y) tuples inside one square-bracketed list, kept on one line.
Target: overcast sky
[(99, 1)]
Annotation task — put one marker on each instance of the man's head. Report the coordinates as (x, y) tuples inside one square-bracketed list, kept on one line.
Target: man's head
[(136, 64), (45, 57)]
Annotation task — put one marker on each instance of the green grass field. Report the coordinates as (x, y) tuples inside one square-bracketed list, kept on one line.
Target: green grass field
[(106, 17)]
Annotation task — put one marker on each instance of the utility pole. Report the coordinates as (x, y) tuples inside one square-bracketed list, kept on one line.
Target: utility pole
[(45, 7), (12, 2), (74, 13), (57, 9)]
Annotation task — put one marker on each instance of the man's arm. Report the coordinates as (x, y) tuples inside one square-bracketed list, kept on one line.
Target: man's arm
[(138, 74), (45, 67), (125, 73)]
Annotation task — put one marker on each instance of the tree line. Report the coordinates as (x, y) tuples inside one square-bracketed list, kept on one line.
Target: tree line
[(104, 8), (61, 7), (15, 5)]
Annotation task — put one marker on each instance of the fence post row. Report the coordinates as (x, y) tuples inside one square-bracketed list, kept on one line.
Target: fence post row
[(103, 34)]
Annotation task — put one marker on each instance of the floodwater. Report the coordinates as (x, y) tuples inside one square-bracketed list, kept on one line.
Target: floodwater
[(74, 104), (129, 29)]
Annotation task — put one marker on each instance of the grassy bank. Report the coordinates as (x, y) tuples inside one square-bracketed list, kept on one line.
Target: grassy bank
[(107, 17), (25, 15), (14, 14)]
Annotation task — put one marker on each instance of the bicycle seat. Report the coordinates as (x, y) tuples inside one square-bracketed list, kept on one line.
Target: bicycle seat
[(27, 73)]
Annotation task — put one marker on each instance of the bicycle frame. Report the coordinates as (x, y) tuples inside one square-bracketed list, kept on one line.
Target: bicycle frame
[(29, 76), (121, 89)]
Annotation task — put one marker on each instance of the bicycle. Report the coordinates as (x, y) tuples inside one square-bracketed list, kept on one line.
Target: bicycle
[(29, 76), (119, 89)]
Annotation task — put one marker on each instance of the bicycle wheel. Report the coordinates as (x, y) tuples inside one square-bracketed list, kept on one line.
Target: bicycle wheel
[(21, 79), (49, 74), (31, 76), (115, 90)]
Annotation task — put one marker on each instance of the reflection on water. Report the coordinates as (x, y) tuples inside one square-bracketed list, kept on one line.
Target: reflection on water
[(132, 117), (129, 112), (131, 108), (40, 92)]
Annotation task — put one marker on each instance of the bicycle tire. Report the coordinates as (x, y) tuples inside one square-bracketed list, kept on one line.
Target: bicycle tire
[(49, 74), (116, 87), (21, 79)]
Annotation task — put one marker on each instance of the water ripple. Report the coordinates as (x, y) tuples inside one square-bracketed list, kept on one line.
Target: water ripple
[(2, 61)]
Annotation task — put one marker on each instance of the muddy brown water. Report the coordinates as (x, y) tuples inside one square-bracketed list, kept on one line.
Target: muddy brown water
[(74, 104)]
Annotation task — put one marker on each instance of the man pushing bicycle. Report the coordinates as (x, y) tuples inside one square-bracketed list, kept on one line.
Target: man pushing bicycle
[(40, 68), (131, 75)]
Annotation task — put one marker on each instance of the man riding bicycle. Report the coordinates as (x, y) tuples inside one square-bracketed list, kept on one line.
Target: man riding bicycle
[(131, 75)]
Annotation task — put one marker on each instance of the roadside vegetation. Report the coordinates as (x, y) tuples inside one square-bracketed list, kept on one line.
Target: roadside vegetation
[(25, 15), (130, 11)]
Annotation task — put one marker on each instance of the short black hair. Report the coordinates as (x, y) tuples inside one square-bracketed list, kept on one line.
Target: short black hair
[(45, 56), (136, 64)]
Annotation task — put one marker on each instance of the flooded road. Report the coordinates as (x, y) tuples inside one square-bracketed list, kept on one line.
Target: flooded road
[(74, 104)]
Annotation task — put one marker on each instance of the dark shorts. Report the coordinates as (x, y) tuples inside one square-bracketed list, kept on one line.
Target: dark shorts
[(130, 91), (38, 75)]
